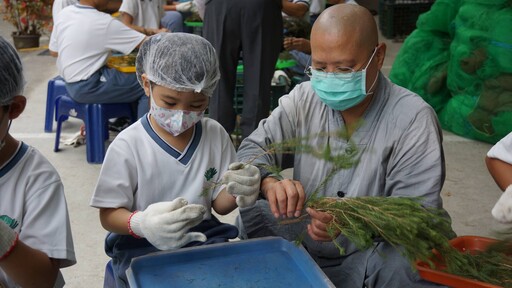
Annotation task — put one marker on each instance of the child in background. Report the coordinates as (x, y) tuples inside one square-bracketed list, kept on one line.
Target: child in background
[(147, 17), (35, 234), (499, 163), (58, 5), (160, 177), (83, 39)]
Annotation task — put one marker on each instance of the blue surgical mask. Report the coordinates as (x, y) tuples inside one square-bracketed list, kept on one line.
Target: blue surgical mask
[(341, 91)]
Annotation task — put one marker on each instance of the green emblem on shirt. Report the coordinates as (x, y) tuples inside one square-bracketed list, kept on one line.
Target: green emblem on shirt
[(210, 173), (208, 185), (9, 221)]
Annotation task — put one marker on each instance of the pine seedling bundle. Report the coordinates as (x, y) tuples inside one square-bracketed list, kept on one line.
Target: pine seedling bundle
[(414, 230), (402, 222)]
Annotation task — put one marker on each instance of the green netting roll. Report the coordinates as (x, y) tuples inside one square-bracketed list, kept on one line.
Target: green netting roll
[(421, 66), (456, 118), (500, 44), (475, 58), (476, 16), (439, 17), (462, 67), (489, 2)]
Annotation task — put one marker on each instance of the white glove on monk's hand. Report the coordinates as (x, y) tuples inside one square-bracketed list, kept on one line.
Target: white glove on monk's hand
[(8, 239), (165, 224), (186, 7), (243, 182), (502, 210)]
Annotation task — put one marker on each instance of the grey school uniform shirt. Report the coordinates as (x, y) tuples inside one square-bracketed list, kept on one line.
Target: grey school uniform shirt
[(400, 148)]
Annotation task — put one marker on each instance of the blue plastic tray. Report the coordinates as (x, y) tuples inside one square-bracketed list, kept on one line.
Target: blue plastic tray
[(263, 262)]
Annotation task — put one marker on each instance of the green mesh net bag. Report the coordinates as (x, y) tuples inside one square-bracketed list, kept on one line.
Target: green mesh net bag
[(440, 16), (465, 72), (425, 72)]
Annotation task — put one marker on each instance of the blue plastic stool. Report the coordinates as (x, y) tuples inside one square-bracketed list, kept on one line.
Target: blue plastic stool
[(95, 117), (56, 87), (109, 281)]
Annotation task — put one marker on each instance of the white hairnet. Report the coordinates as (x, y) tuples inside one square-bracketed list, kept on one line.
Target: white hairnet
[(11, 73), (180, 61)]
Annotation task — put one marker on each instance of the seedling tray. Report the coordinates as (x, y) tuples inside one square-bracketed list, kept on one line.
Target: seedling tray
[(120, 63), (263, 262), (471, 244)]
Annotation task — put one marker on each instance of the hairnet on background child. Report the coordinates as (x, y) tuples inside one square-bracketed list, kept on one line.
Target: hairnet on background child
[(11, 73), (180, 61)]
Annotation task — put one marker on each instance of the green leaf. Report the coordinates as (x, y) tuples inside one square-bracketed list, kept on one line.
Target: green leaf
[(210, 173)]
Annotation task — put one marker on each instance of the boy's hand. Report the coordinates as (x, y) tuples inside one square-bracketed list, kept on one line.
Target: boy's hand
[(8, 239), (243, 182), (502, 210), (165, 224)]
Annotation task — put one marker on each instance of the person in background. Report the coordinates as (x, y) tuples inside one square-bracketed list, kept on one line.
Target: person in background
[(82, 40), (399, 151), (143, 16), (316, 7), (150, 17), (162, 175), (186, 8), (251, 30), (35, 232), (334, 2), (58, 5), (297, 9), (499, 164), (300, 48)]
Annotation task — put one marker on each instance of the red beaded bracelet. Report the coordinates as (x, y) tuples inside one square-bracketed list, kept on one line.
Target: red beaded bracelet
[(130, 226), (10, 248)]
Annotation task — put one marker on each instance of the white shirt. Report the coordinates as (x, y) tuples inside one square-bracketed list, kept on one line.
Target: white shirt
[(84, 38), (140, 168), (32, 202), (146, 13), (502, 150), (302, 2), (58, 5), (316, 7)]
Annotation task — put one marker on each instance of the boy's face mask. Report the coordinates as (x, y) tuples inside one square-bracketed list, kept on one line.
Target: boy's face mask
[(341, 91), (171, 120)]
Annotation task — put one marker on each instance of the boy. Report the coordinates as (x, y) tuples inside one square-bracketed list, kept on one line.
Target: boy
[(34, 221), (168, 164), (82, 39)]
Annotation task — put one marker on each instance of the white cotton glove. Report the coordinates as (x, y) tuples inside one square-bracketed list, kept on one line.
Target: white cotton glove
[(165, 224), (502, 210), (243, 182), (186, 7), (7, 239)]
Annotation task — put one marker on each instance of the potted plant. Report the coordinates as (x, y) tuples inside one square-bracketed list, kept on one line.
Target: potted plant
[(31, 19)]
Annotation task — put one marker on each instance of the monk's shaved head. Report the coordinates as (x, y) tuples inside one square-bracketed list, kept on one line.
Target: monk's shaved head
[(348, 21), (345, 37)]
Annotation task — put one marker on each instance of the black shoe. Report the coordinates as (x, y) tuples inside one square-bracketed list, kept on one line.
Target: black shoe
[(119, 124)]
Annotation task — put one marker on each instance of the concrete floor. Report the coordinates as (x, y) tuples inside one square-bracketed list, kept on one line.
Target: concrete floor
[(469, 192)]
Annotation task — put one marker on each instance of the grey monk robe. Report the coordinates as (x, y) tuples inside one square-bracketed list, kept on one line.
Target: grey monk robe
[(401, 155)]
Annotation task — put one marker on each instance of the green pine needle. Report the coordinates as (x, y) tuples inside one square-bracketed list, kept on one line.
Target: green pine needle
[(415, 230)]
